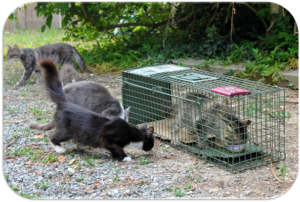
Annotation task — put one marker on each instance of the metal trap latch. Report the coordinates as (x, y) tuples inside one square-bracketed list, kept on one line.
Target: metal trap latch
[(193, 77)]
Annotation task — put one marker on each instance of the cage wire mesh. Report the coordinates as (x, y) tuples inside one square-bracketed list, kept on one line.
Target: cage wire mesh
[(188, 116)]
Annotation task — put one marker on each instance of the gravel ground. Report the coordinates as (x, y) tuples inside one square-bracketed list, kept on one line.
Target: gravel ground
[(34, 170)]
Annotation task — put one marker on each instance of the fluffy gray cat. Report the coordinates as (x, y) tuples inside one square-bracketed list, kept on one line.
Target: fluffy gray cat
[(218, 122), (92, 96), (68, 74), (60, 53)]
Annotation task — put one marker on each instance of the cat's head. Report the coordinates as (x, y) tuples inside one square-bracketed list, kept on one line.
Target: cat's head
[(148, 142), (239, 133), (13, 52)]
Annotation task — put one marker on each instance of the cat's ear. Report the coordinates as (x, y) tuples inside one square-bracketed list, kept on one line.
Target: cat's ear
[(150, 131), (126, 114), (246, 123), (15, 47), (143, 127), (8, 46), (233, 125)]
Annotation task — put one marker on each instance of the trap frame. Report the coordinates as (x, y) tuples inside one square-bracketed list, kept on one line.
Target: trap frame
[(179, 103)]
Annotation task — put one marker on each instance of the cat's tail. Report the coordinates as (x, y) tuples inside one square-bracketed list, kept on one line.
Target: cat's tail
[(52, 81), (80, 61), (43, 127)]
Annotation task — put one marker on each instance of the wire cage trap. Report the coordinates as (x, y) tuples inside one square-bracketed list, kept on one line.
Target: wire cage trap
[(234, 132)]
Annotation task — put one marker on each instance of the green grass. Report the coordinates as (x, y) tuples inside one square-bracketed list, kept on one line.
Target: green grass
[(22, 151), (51, 157), (79, 179), (165, 149), (188, 186), (32, 38), (116, 178), (44, 185), (179, 192)]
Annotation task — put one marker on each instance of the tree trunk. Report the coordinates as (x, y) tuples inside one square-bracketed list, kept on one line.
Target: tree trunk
[(275, 8)]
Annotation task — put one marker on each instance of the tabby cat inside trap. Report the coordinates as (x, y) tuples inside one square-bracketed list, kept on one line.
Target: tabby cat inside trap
[(217, 122), (87, 127), (60, 53)]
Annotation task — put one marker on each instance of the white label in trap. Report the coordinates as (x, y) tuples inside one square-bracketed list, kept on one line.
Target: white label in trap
[(147, 71)]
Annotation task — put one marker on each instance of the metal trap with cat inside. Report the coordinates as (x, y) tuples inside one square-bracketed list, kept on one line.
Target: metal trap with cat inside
[(234, 123)]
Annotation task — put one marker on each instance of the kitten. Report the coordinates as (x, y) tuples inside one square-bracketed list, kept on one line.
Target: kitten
[(92, 96), (217, 122), (68, 74), (60, 53), (87, 127)]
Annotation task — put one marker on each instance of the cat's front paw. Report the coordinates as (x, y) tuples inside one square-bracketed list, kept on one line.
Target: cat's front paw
[(127, 159)]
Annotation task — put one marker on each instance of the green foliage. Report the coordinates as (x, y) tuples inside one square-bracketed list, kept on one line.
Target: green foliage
[(179, 192), (112, 36), (283, 172)]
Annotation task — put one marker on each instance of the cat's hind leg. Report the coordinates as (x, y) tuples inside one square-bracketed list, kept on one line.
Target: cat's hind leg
[(56, 139)]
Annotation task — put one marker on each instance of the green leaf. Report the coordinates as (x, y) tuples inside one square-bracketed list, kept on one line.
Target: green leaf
[(230, 72), (291, 84), (43, 28)]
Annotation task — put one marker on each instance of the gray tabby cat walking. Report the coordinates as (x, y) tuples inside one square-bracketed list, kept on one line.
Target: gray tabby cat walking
[(60, 53)]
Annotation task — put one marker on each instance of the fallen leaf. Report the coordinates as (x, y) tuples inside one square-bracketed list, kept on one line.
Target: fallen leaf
[(88, 189), (38, 136), (50, 161), (274, 174), (93, 171), (67, 180), (72, 161), (28, 162), (97, 182), (61, 158), (38, 173)]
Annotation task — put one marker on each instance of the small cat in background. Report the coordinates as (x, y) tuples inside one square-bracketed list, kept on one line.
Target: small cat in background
[(90, 128), (60, 53), (68, 74)]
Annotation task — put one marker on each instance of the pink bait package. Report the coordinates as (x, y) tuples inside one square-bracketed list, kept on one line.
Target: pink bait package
[(230, 91)]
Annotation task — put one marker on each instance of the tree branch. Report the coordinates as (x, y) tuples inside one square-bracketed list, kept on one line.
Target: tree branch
[(86, 15), (213, 17)]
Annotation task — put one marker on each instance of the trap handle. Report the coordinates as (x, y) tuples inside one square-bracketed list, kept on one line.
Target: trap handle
[(119, 78)]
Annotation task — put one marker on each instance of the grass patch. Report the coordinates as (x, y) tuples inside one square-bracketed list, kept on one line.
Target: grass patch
[(50, 158), (79, 179), (44, 185), (29, 196), (165, 149), (179, 192)]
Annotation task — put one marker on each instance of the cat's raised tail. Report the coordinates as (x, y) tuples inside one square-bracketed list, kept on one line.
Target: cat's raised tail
[(80, 61), (52, 81)]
